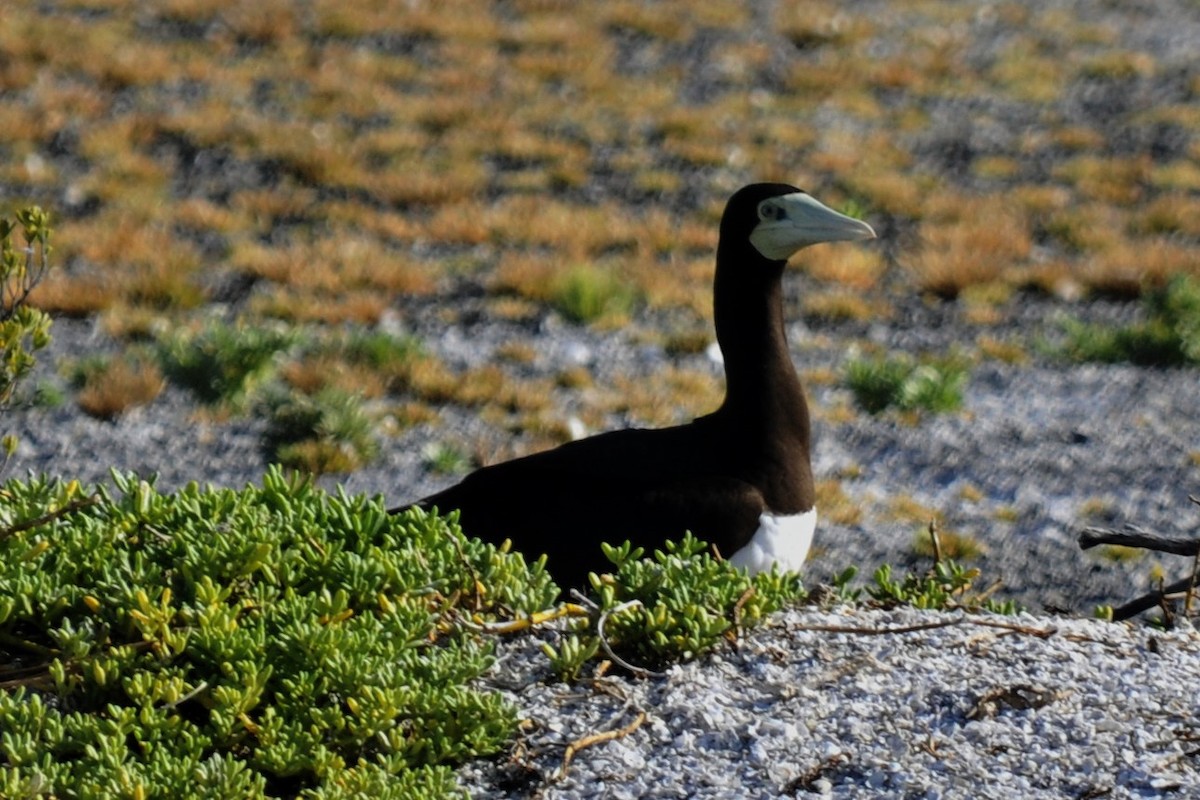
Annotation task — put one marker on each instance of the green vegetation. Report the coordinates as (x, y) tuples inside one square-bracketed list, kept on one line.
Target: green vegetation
[(222, 363), (585, 294), (900, 382), (677, 604), (1168, 337), (325, 432), (23, 330), (278, 641), (947, 586), (445, 459)]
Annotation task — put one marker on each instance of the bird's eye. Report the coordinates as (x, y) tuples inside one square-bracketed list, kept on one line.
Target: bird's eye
[(774, 212)]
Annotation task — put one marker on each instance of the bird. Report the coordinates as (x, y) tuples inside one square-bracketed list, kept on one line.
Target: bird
[(739, 478)]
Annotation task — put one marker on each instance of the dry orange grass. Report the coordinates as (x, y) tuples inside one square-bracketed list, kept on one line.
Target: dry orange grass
[(202, 215), (363, 307), (1181, 175), (1008, 351), (1128, 267), (968, 240), (905, 508), (1172, 213), (120, 385), (73, 295), (842, 304), (890, 190), (475, 133), (854, 268), (526, 275), (836, 506), (675, 395), (1055, 277), (1119, 64), (816, 25), (676, 282), (141, 263), (312, 375), (1038, 200), (336, 264), (1027, 73), (1087, 227), (432, 183), (1120, 181)]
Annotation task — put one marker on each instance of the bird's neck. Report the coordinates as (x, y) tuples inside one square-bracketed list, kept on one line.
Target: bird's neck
[(748, 312), (764, 406)]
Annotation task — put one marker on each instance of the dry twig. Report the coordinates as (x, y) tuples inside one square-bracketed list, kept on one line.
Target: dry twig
[(69, 508), (641, 672), (962, 619), (598, 738), (936, 542), (1133, 536)]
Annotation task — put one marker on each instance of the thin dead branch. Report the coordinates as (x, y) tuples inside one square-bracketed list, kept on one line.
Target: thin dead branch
[(598, 738), (935, 541), (1133, 536), (962, 619), (29, 524), (1152, 599), (641, 672)]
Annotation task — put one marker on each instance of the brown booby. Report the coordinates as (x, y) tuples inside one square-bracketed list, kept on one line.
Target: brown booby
[(739, 478)]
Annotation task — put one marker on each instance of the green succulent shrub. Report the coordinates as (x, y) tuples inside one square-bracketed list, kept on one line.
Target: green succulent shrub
[(377, 349), (281, 641), (1169, 336), (23, 330), (902, 383), (586, 293), (223, 363), (947, 586), (269, 642), (325, 432), (682, 601)]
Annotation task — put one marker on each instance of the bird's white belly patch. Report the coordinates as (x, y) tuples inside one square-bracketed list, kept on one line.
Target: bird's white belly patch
[(782, 539)]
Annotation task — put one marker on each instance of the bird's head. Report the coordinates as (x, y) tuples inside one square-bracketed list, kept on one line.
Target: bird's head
[(778, 220)]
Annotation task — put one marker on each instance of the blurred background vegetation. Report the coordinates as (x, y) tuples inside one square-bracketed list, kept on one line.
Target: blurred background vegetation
[(218, 166)]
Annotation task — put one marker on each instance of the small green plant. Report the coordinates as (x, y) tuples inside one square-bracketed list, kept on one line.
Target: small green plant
[(1120, 554), (946, 586), (23, 330), (587, 293), (843, 592), (224, 363), (682, 601), (47, 394), (379, 350), (445, 459), (902, 383), (1168, 337), (572, 653), (321, 433)]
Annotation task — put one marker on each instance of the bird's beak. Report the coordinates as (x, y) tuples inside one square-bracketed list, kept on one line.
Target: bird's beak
[(795, 221)]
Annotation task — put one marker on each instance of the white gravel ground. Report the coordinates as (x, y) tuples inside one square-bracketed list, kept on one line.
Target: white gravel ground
[(867, 703)]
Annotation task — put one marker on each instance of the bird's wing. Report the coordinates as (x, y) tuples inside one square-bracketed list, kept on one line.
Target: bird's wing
[(565, 501)]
